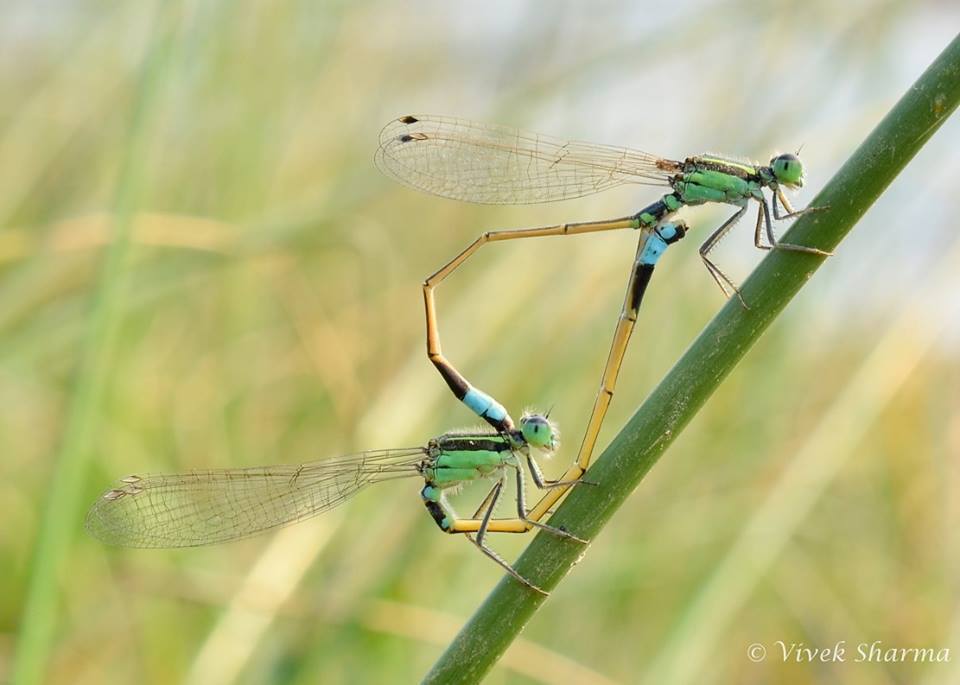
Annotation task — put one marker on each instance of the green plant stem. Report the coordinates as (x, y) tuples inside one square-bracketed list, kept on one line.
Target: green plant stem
[(685, 389), (63, 497)]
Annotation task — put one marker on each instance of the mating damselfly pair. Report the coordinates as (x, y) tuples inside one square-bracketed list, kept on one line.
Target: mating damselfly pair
[(482, 163)]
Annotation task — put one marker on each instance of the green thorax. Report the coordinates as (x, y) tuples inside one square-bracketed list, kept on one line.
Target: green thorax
[(707, 178), (458, 458)]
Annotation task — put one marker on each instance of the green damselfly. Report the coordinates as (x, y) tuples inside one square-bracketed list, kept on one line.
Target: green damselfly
[(490, 164), (221, 505)]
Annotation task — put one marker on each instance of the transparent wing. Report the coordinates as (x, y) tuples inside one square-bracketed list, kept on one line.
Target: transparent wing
[(489, 164), (207, 507)]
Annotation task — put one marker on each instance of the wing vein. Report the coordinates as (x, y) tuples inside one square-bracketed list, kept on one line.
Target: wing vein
[(207, 507), (489, 164)]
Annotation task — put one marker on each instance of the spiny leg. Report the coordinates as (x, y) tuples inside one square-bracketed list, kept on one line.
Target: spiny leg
[(485, 505), (718, 276), (791, 212), (492, 497), (481, 403), (772, 239), (758, 231), (520, 524), (522, 509), (544, 483)]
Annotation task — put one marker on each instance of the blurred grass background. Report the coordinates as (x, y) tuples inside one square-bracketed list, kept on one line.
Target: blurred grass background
[(268, 310)]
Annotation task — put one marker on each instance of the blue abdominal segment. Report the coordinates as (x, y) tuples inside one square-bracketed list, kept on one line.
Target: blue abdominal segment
[(484, 406)]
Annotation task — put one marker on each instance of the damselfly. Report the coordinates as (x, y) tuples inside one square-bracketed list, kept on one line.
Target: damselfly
[(208, 507), (489, 164), (475, 162)]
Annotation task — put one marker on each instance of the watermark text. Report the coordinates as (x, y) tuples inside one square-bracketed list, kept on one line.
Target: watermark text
[(842, 652)]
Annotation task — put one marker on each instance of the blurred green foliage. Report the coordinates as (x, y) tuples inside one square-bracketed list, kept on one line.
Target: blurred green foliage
[(270, 312)]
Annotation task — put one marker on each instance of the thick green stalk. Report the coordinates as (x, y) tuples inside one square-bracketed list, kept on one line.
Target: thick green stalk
[(63, 504), (674, 402)]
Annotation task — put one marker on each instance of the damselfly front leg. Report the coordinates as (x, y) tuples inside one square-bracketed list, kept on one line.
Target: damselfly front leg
[(763, 215), (779, 197), (524, 516), (544, 483)]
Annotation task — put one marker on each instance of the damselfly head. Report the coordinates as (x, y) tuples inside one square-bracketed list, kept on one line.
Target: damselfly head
[(540, 432), (788, 170)]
